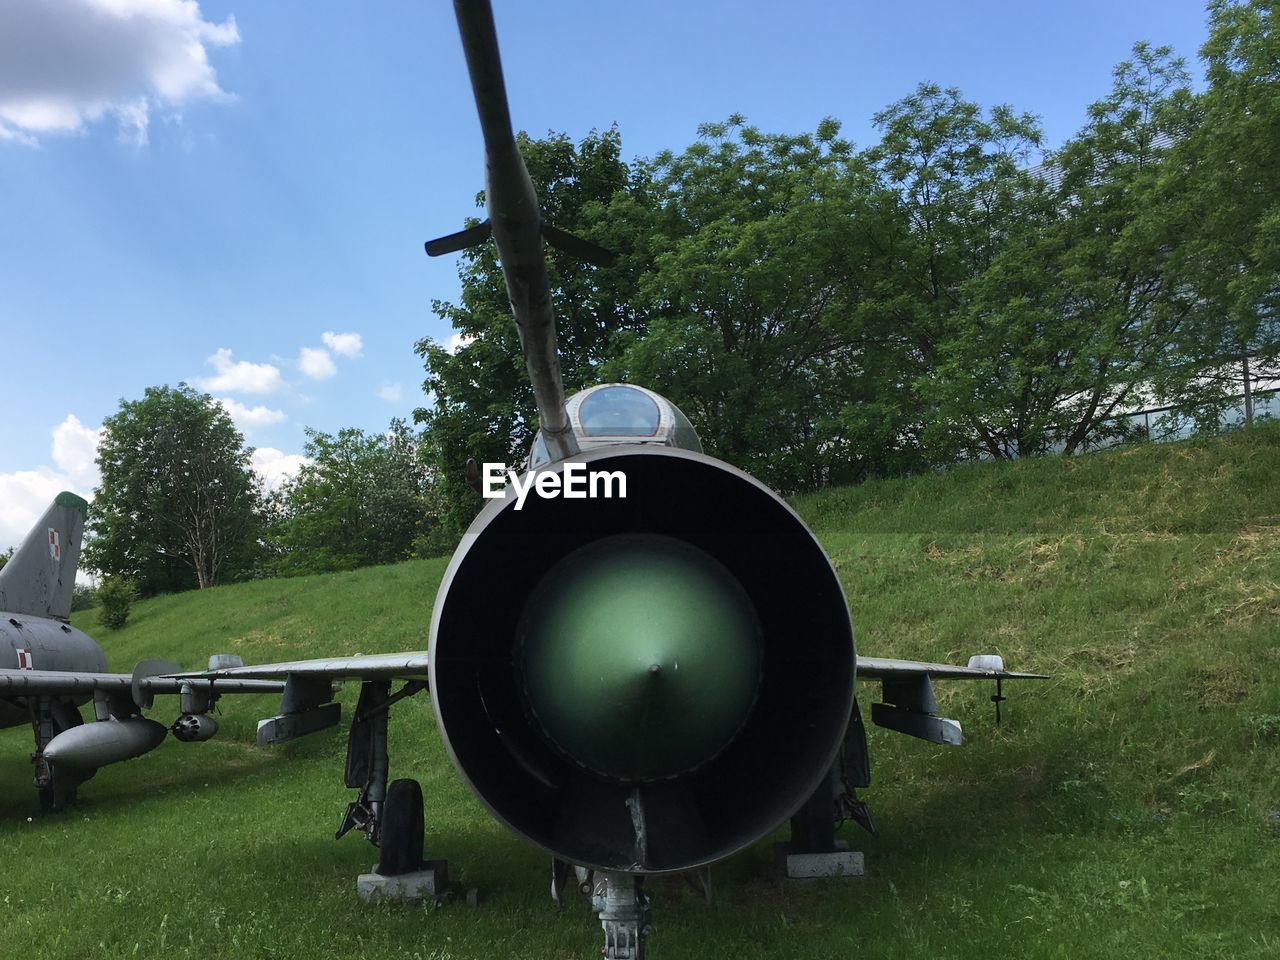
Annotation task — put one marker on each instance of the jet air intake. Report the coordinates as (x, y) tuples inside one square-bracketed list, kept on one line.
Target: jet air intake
[(643, 684), (639, 656)]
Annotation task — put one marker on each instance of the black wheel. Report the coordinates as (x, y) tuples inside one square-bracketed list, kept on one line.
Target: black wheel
[(60, 791), (49, 801), (401, 844)]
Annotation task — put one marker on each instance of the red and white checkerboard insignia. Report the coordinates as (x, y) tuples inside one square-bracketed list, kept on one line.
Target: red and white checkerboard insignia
[(55, 544), (24, 660)]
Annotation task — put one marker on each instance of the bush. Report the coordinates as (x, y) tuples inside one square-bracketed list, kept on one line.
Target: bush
[(83, 597), (115, 596)]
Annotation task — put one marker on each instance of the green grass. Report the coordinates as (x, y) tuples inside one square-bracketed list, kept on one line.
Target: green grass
[(1130, 806)]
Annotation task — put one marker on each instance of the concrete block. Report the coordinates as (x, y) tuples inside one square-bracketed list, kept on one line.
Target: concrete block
[(813, 866), (429, 883), (807, 866)]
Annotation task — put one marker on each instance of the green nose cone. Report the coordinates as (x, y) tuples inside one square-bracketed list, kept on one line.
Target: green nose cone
[(640, 656)]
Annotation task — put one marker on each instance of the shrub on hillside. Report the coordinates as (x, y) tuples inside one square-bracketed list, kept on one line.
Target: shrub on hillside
[(83, 597), (115, 597)]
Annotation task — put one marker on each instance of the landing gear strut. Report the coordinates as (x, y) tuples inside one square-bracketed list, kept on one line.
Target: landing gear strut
[(623, 908), (367, 761), (390, 817), (49, 717)]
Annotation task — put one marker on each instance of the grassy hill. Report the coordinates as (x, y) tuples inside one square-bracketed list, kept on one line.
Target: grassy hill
[(1130, 806)]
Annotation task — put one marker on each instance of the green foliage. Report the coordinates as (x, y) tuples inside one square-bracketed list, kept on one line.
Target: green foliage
[(765, 247), (1082, 312), (83, 597), (4, 557), (361, 499), (178, 505), (115, 598), (962, 204), (1231, 165), (1264, 727)]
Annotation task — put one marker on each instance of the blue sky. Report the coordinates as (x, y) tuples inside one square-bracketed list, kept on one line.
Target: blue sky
[(203, 192)]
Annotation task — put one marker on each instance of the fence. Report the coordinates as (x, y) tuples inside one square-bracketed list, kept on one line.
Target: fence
[(1164, 424)]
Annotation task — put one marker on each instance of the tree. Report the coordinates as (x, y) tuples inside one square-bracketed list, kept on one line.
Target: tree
[(480, 402), (361, 500), (1231, 165), (765, 247), (741, 260), (83, 597), (962, 201), (115, 597), (1081, 312), (5, 555), (178, 504), (823, 315)]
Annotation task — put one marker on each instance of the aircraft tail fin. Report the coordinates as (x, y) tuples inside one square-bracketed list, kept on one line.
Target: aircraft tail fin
[(39, 577)]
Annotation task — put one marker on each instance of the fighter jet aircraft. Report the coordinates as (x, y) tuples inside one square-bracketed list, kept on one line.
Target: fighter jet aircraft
[(48, 669), (640, 684)]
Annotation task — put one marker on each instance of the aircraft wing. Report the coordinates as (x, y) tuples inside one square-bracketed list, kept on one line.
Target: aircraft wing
[(881, 668), (307, 704), (23, 682), (378, 666), (55, 682), (907, 691)]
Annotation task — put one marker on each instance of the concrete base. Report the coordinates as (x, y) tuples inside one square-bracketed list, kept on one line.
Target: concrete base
[(429, 883), (814, 866)]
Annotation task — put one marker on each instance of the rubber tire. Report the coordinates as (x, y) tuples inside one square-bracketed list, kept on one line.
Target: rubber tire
[(55, 797), (400, 847)]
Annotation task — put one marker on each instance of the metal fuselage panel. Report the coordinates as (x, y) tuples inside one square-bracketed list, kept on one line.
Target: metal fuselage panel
[(45, 645)]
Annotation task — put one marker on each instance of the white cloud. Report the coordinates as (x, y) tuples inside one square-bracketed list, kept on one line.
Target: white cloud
[(390, 392), (240, 376), (316, 363), (15, 136), (343, 344), (26, 494), (75, 451), (458, 341), (68, 63), (276, 466), (246, 418), (133, 118)]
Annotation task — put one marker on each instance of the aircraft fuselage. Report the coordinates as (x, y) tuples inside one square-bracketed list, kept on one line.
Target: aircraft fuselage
[(43, 643)]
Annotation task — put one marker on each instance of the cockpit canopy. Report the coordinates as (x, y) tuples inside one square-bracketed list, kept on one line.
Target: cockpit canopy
[(612, 413)]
